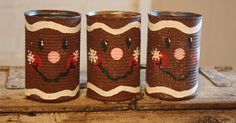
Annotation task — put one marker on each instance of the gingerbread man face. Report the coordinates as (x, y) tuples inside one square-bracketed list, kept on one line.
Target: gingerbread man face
[(173, 55), (52, 54), (113, 54), (40, 58)]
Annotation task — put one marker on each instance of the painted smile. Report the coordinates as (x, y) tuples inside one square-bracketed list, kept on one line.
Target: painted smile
[(183, 77), (58, 77), (94, 59), (53, 57), (160, 59), (109, 76)]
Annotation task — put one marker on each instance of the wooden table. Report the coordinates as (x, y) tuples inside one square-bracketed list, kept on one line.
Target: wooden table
[(212, 105)]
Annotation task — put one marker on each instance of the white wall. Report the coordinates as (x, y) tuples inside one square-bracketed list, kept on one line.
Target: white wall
[(218, 46)]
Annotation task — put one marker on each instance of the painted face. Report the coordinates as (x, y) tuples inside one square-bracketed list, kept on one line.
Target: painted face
[(173, 58), (54, 55), (115, 50), (113, 58), (52, 41), (176, 50)]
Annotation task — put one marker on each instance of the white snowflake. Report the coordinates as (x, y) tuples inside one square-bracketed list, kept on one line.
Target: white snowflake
[(76, 55), (30, 57), (156, 54), (93, 56), (136, 54)]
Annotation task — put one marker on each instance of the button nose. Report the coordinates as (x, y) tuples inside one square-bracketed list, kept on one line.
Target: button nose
[(179, 53), (116, 53), (53, 57)]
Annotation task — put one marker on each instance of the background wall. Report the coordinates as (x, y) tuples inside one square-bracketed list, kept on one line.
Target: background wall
[(218, 45)]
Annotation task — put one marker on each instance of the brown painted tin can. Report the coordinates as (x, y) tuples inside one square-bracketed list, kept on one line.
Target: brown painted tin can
[(173, 55), (52, 43), (113, 40)]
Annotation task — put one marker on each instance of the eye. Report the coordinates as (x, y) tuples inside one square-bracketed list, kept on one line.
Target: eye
[(41, 44), (190, 42), (128, 42), (167, 42), (104, 45), (65, 43)]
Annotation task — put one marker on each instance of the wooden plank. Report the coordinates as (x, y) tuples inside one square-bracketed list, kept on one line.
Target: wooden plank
[(209, 97), (16, 77), (18, 103), (168, 116), (13, 100), (3, 74), (218, 78)]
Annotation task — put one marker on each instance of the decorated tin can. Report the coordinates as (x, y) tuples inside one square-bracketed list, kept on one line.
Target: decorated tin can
[(52, 43), (173, 55), (113, 40)]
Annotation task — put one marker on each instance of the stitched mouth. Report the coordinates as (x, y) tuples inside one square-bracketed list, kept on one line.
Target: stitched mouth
[(58, 77), (183, 77), (109, 76), (177, 78)]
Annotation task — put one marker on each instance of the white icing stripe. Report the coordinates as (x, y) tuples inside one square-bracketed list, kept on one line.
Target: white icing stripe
[(175, 24), (51, 25), (172, 92), (110, 30), (114, 91), (52, 96)]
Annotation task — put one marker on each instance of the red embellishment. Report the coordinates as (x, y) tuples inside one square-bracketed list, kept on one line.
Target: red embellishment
[(70, 60), (163, 62)]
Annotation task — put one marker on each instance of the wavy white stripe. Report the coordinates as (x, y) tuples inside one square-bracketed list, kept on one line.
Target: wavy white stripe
[(172, 92), (52, 96), (175, 24), (51, 25), (114, 91), (110, 30)]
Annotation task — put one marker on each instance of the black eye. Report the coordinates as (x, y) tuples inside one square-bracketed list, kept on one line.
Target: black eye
[(104, 45), (128, 42), (65, 44), (167, 42), (41, 44), (190, 42)]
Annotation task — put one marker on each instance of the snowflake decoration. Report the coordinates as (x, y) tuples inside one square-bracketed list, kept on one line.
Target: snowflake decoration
[(93, 56), (76, 55), (30, 57), (136, 54), (156, 54)]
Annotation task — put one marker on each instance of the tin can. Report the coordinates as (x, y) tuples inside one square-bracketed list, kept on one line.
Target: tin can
[(173, 55), (52, 43), (113, 40)]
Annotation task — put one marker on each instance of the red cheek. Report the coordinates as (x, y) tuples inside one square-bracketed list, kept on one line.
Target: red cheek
[(38, 61), (164, 60), (70, 60)]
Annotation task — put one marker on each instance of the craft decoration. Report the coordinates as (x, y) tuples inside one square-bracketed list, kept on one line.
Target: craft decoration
[(173, 55), (113, 55), (52, 55)]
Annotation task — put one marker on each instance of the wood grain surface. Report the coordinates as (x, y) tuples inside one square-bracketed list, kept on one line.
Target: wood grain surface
[(209, 97), (168, 116), (213, 104)]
